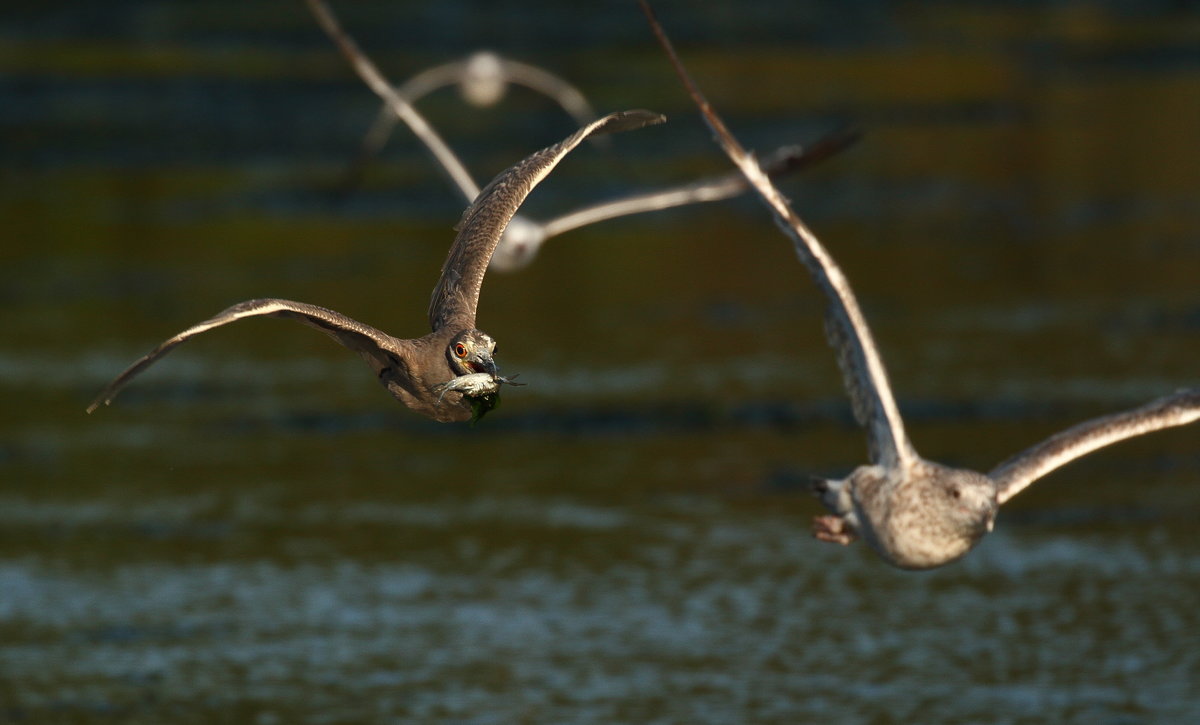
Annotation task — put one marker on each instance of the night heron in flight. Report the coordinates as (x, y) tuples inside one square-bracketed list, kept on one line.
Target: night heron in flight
[(449, 373), (917, 514)]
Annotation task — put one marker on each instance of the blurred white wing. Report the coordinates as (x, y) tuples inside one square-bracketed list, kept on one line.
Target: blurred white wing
[(398, 105), (782, 161), (1012, 476)]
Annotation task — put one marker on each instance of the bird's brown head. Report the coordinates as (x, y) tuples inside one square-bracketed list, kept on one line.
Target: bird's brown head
[(470, 352)]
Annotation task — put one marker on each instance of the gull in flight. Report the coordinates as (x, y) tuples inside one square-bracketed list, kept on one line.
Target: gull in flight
[(448, 374), (917, 514), (483, 79), (523, 237)]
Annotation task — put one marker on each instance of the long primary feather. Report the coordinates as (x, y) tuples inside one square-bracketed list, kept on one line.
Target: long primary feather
[(862, 368)]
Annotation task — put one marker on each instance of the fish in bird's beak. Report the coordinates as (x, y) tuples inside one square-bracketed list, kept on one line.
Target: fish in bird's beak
[(483, 365)]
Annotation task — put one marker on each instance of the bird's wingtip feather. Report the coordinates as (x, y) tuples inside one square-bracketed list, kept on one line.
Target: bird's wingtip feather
[(629, 120)]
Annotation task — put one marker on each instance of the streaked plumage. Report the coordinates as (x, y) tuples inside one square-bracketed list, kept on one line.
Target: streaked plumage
[(419, 372), (445, 374)]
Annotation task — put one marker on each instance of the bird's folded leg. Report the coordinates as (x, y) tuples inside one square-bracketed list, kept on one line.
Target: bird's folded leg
[(833, 529)]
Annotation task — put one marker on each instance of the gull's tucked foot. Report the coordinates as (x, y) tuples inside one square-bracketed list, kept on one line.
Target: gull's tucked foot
[(833, 529)]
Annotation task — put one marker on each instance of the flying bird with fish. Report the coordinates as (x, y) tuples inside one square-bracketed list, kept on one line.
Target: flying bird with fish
[(450, 373)]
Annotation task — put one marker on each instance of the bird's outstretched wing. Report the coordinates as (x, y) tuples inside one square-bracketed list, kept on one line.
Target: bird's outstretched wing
[(1013, 475), (456, 295), (412, 90), (396, 103), (385, 122), (378, 348), (566, 95), (862, 368), (429, 80), (782, 161)]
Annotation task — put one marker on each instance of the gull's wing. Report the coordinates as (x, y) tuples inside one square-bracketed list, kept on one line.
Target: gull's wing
[(396, 103), (546, 83), (782, 161), (431, 79), (385, 122), (566, 95), (862, 368), (379, 349), (456, 295), (1012, 476)]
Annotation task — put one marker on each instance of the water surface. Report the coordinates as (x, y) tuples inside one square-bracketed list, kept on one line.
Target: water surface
[(255, 532)]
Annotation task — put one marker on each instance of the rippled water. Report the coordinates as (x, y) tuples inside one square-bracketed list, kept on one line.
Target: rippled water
[(255, 532)]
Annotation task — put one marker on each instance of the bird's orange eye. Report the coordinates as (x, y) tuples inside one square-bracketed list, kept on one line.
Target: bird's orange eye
[(460, 349)]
